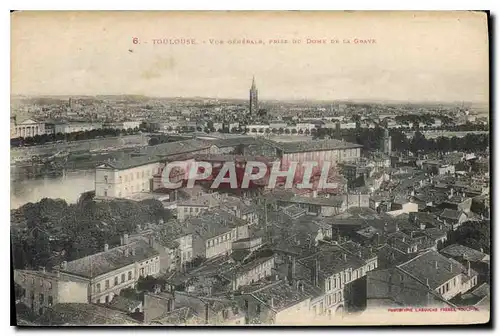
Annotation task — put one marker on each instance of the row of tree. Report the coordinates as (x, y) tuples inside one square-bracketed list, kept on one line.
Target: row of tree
[(372, 139), (42, 139), (51, 231)]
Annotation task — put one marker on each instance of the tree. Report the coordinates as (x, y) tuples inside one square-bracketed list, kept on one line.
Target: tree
[(475, 235), (153, 141)]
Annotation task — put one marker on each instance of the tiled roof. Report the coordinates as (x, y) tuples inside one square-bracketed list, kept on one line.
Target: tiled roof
[(403, 290), (83, 314), (279, 295), (423, 267), (107, 261), (362, 252), (177, 316), (389, 256), (123, 303), (126, 161), (435, 233), (240, 140), (332, 260), (214, 223), (313, 145), (459, 251), (450, 214)]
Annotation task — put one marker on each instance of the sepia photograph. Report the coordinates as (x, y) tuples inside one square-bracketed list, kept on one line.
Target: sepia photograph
[(250, 168)]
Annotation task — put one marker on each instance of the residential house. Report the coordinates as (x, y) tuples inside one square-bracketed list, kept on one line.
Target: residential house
[(42, 290), (277, 302), (251, 272), (443, 275), (214, 233), (175, 307), (197, 205), (173, 241), (112, 270), (339, 270), (454, 218), (479, 260)]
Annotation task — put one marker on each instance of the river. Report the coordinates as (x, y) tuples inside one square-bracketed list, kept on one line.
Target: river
[(68, 187)]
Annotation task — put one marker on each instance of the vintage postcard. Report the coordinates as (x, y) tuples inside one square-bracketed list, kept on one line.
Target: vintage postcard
[(250, 168)]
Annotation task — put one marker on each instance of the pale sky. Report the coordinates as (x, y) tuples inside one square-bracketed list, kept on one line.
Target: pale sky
[(417, 56)]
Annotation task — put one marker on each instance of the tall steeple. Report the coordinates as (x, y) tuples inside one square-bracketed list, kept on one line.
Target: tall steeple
[(254, 100), (387, 142)]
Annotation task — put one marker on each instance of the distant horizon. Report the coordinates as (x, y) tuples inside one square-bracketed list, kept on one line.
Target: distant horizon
[(329, 101)]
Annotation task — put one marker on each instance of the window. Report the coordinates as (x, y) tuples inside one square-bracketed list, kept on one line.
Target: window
[(246, 304), (130, 275), (40, 311), (51, 300), (105, 178), (123, 278), (106, 284), (98, 288), (32, 281), (106, 299), (41, 298), (257, 309), (116, 281)]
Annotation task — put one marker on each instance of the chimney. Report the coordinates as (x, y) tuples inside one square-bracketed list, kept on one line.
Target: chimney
[(315, 273), (464, 256), (64, 265), (468, 268), (126, 252), (272, 302), (427, 282), (344, 256), (481, 250), (106, 247), (451, 267), (42, 269), (292, 268), (207, 315), (435, 264), (125, 238)]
